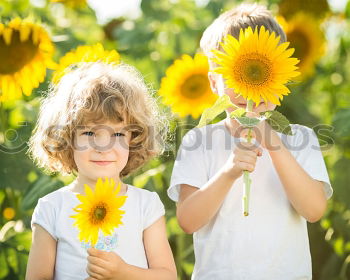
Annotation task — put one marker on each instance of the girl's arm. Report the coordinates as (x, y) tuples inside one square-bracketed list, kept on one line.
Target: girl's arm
[(108, 265), (42, 256)]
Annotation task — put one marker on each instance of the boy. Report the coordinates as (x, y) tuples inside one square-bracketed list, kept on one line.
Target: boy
[(290, 184)]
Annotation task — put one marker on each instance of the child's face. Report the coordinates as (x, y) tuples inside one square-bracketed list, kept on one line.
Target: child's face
[(218, 86), (101, 150)]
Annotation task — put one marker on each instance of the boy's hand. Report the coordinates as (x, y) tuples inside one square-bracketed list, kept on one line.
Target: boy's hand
[(243, 158), (103, 265), (264, 134)]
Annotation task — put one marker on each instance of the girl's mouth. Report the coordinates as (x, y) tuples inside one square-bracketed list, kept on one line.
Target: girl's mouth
[(102, 162)]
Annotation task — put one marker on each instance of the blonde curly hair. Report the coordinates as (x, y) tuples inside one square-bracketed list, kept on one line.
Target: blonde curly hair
[(97, 92)]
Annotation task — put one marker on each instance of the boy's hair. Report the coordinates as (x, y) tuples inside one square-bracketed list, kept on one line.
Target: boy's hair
[(232, 21), (97, 92)]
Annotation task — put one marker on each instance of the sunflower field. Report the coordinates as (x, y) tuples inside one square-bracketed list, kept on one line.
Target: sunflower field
[(40, 38)]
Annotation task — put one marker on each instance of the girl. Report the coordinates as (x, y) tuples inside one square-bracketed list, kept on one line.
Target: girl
[(99, 121)]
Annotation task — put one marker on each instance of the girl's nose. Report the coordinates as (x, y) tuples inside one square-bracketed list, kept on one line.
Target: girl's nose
[(103, 143)]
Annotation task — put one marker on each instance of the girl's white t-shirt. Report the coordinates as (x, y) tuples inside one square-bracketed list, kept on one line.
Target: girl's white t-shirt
[(272, 242), (142, 208)]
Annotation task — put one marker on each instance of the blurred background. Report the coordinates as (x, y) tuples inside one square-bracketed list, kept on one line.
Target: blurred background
[(39, 37)]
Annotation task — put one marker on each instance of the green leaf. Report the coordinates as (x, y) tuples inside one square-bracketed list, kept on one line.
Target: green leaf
[(187, 267), (221, 104), (173, 226), (341, 123), (44, 185), (248, 122), (4, 270), (12, 259), (277, 121), (2, 196), (240, 112), (141, 180)]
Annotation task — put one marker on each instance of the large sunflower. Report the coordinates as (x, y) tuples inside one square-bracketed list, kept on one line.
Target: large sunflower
[(25, 52), (186, 86), (318, 9), (99, 210), (307, 38), (85, 54), (256, 66)]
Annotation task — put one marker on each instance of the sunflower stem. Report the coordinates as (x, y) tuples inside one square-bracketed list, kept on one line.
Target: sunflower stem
[(246, 177)]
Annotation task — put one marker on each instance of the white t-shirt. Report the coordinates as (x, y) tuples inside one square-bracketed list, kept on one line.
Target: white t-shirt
[(272, 242), (142, 208)]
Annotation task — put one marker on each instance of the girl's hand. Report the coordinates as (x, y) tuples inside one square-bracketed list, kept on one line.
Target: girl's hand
[(104, 265), (243, 158)]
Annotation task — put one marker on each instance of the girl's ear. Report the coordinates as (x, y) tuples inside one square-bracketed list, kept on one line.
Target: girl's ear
[(213, 81)]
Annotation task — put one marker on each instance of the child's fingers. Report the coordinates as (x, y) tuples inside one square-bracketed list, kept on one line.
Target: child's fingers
[(97, 261), (248, 158), (246, 166), (97, 253), (95, 271), (244, 146), (244, 152)]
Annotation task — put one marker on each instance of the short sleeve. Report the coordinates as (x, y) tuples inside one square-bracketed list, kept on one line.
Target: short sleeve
[(44, 215), (307, 151), (190, 165), (154, 209)]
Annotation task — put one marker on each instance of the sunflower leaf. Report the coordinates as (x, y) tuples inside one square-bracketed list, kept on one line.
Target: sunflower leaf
[(221, 104), (247, 121), (240, 112), (277, 121)]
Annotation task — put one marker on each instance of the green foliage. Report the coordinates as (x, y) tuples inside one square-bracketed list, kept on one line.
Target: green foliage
[(221, 104), (277, 121)]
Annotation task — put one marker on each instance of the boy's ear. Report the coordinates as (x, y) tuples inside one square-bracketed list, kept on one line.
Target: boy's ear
[(212, 81)]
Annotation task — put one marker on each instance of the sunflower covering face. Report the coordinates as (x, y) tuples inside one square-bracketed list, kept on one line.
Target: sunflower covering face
[(25, 53), (256, 66), (99, 210)]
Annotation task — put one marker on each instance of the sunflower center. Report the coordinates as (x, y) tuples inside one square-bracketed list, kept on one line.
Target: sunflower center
[(17, 54), (99, 213), (300, 42), (253, 69), (195, 86)]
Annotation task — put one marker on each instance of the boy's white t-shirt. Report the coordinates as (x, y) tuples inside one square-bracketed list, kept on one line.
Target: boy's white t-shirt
[(272, 242), (142, 208)]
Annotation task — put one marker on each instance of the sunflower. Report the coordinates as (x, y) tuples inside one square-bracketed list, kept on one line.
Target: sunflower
[(84, 54), (307, 38), (186, 86), (9, 213), (255, 66), (71, 3), (99, 210), (318, 9), (25, 52)]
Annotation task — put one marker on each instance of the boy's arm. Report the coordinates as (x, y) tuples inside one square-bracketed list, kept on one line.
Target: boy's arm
[(42, 255), (108, 265), (305, 193), (196, 207)]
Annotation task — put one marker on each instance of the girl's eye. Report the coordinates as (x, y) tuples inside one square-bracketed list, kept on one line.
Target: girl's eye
[(88, 133), (119, 134)]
